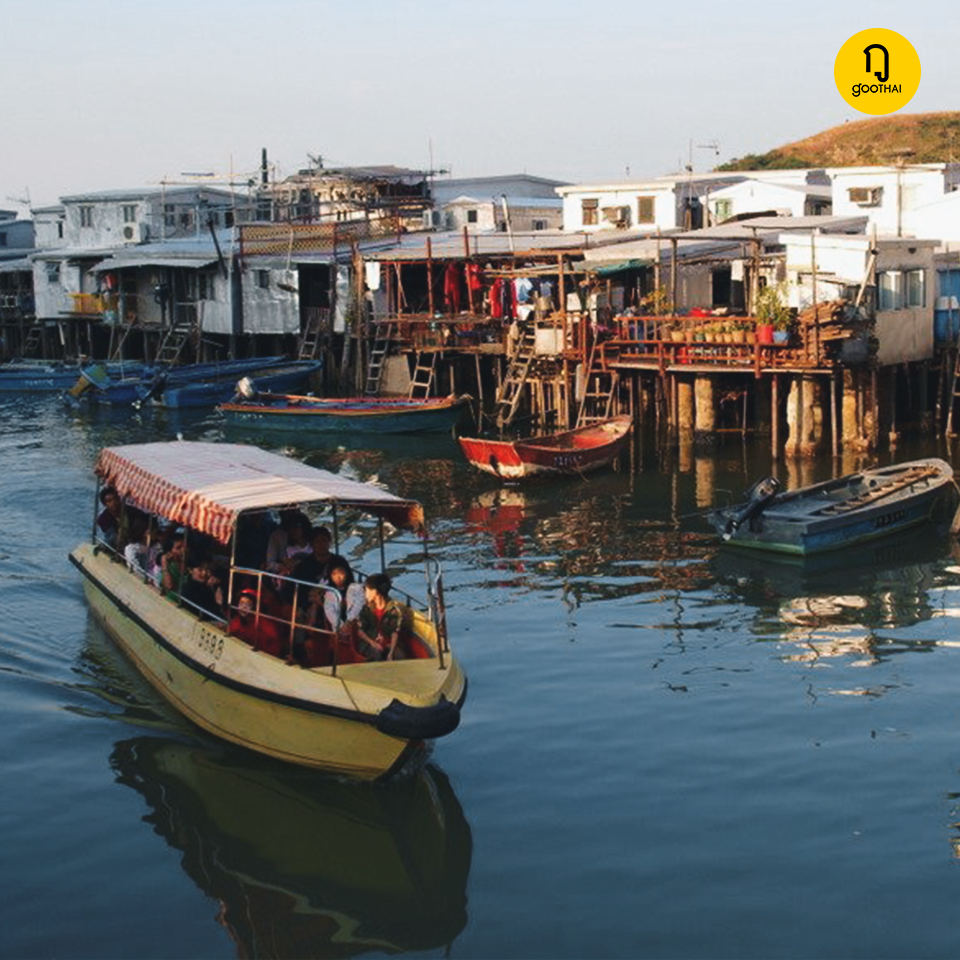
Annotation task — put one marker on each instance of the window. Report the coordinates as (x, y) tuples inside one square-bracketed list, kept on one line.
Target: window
[(645, 209), (263, 279), (129, 213), (915, 287), (3, 239), (205, 288), (169, 215), (472, 216), (53, 271), (86, 216), (722, 210), (539, 224), (889, 287), (591, 210), (866, 196)]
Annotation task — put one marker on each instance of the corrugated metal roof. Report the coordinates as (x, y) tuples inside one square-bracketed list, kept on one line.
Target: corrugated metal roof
[(450, 245), (22, 265), (127, 263)]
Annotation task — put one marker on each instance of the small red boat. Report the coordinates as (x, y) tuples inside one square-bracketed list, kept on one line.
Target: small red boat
[(570, 453)]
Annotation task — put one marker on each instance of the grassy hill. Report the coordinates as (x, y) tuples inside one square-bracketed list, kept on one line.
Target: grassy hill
[(915, 138)]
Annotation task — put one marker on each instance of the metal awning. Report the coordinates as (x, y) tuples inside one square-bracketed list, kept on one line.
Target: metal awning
[(187, 263), (16, 266), (621, 266)]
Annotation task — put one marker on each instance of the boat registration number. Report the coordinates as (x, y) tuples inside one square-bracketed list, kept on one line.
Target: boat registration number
[(888, 519), (210, 643)]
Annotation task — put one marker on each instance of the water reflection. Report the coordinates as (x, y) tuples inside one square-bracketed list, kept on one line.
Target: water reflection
[(839, 605), (304, 865)]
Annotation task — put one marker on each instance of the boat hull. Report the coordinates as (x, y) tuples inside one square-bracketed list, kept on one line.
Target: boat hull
[(207, 393), (347, 416), (565, 454), (827, 517), (310, 717)]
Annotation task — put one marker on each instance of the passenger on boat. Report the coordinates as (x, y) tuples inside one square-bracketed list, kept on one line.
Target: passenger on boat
[(380, 621), (172, 565), (341, 611), (142, 553), (202, 589), (109, 519), (315, 567), (280, 540), (258, 630)]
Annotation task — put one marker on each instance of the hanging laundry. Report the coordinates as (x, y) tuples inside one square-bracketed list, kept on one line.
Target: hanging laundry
[(451, 288), (522, 287), (508, 301), (473, 276), (496, 299), (371, 270)]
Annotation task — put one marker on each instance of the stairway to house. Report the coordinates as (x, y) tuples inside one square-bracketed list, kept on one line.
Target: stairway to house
[(599, 389), (511, 389), (423, 373)]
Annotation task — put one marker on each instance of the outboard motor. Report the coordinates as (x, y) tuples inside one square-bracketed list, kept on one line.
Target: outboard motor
[(246, 389), (757, 499)]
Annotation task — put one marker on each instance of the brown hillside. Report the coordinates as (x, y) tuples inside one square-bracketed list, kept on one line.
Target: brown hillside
[(916, 138)]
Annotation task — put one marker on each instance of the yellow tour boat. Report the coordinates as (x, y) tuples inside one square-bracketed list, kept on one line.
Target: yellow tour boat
[(333, 709)]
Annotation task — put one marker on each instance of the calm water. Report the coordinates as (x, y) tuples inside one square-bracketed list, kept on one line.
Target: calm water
[(667, 751)]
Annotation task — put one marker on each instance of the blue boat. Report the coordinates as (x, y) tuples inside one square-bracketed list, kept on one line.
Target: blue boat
[(27, 376), (366, 415), (213, 390), (151, 382), (835, 514)]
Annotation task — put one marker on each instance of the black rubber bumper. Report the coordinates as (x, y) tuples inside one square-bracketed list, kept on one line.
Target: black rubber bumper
[(419, 723)]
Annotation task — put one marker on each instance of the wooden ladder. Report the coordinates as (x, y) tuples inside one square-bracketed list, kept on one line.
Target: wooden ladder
[(317, 320), (32, 340), (599, 389), (378, 356), (511, 390), (423, 374), (952, 395), (173, 343)]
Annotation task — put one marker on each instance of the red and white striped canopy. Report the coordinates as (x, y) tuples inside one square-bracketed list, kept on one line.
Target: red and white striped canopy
[(206, 486)]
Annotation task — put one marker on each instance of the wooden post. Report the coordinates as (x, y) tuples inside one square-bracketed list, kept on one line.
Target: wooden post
[(673, 276), (706, 414), (430, 302), (775, 415), (834, 425)]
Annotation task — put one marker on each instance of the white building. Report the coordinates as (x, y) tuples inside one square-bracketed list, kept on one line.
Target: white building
[(487, 203), (688, 201), (893, 196), (755, 197), (825, 267)]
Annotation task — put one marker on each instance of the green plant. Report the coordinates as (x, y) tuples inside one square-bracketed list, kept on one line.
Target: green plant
[(656, 302), (771, 307)]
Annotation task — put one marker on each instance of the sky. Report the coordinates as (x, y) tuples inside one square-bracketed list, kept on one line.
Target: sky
[(97, 95)]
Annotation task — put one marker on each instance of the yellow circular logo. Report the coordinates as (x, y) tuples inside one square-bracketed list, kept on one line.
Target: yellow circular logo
[(877, 71)]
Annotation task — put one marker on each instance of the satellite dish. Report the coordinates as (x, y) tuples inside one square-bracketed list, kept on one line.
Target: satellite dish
[(246, 389)]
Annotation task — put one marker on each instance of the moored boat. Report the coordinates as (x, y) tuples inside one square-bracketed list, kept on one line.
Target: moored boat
[(842, 512), (328, 708), (207, 382), (281, 375), (348, 415), (38, 376), (571, 452)]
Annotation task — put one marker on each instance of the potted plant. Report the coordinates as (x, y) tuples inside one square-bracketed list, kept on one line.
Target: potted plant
[(774, 317)]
